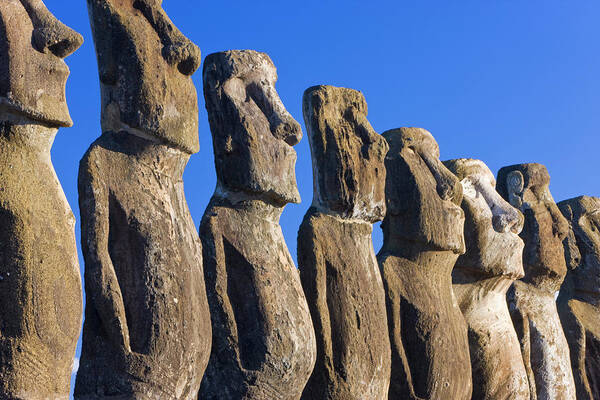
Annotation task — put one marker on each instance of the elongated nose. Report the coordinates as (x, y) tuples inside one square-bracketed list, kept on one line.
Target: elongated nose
[(184, 54), (49, 34), (448, 185), (57, 39), (506, 218)]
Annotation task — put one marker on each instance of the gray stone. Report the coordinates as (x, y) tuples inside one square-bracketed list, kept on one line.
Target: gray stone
[(263, 337), (579, 299), (338, 268), (423, 237), (481, 278), (147, 331), (40, 284), (532, 299)]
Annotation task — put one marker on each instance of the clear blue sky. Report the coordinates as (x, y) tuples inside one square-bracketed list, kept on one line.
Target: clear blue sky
[(503, 81)]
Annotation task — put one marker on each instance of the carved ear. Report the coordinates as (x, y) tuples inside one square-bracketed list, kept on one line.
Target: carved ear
[(515, 182)]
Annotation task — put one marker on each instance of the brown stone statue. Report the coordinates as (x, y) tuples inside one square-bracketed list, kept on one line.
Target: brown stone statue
[(532, 299), (336, 258), (579, 299), (147, 331), (40, 285), (423, 237), (481, 277), (263, 337)]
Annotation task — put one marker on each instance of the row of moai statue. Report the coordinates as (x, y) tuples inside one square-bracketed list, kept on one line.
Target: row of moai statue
[(458, 304)]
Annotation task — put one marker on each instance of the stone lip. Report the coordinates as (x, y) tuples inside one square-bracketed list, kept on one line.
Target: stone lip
[(422, 196), (33, 74), (253, 134), (145, 65), (347, 154), (526, 187)]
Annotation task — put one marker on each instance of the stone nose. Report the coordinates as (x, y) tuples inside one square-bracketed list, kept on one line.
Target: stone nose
[(184, 54), (178, 50), (507, 218), (52, 36), (289, 131), (447, 184)]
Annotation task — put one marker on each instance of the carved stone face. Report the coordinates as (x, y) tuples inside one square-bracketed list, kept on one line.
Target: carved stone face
[(526, 187), (492, 226), (423, 196), (348, 155), (583, 214), (253, 134), (145, 65), (33, 74)]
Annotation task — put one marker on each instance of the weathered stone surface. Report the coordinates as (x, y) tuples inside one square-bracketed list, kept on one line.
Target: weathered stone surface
[(336, 258), (532, 299), (579, 299), (40, 285), (481, 277), (147, 331), (423, 237), (263, 337)]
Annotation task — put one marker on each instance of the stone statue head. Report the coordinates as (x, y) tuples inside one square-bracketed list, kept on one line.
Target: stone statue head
[(348, 155), (492, 226), (33, 74), (422, 196), (526, 187), (583, 214), (145, 65), (253, 134)]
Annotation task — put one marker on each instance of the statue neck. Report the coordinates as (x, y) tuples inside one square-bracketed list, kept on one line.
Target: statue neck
[(22, 132), (245, 203), (160, 158)]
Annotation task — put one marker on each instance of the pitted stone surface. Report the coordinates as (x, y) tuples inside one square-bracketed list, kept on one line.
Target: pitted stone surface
[(263, 336), (481, 277), (579, 299), (40, 285), (147, 331), (532, 299), (336, 258), (423, 237)]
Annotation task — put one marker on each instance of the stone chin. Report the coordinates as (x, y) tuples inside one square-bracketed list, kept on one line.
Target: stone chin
[(175, 130), (503, 256), (55, 115)]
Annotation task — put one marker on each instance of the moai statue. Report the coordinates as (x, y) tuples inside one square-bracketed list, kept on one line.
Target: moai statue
[(579, 298), (531, 299), (40, 284), (482, 276), (423, 237), (147, 331), (338, 268), (263, 337)]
